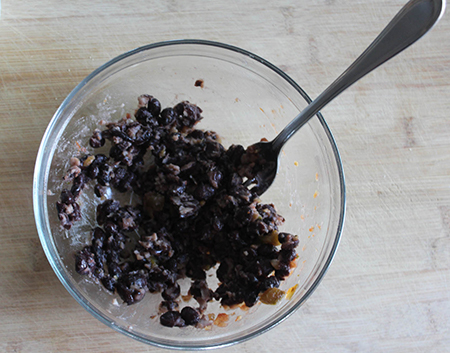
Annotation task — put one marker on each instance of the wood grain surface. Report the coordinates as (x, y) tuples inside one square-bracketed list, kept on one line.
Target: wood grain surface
[(388, 289)]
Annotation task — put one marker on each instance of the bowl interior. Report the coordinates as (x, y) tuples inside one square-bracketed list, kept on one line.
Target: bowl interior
[(243, 100)]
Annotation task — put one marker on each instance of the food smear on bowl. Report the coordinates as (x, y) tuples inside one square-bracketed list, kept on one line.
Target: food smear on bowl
[(199, 83), (193, 213), (290, 292)]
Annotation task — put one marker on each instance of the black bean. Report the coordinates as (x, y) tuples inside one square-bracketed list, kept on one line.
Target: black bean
[(101, 158), (243, 216), (283, 271), (99, 190), (114, 269), (287, 255), (199, 289), (67, 197), (126, 267), (290, 243), (185, 204), (171, 319), (190, 315), (64, 220), (234, 154), (204, 192), (195, 272), (282, 237), (130, 295), (60, 207), (266, 266), (119, 174), (97, 140), (111, 254), (76, 212), (98, 235), (248, 254), (99, 272), (109, 283), (188, 114), (236, 180), (115, 152), (99, 253), (110, 227), (104, 174), (154, 106), (214, 150), (251, 298), (249, 279), (217, 224), (105, 209), (197, 134), (128, 218), (269, 282), (255, 268), (126, 183), (145, 117), (78, 185), (215, 176), (84, 261), (172, 292), (268, 251), (225, 270), (93, 171), (168, 116)]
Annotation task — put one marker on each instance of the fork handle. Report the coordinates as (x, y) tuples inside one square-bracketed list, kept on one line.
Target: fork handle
[(415, 19)]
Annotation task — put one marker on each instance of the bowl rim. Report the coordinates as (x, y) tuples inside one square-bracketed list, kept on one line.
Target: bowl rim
[(39, 175)]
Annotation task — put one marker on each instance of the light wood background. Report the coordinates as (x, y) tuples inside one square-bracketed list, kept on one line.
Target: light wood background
[(388, 289)]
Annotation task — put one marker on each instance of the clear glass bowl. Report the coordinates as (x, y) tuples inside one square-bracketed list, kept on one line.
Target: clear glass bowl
[(244, 98)]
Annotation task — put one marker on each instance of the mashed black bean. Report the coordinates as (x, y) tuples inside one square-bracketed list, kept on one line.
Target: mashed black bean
[(194, 213)]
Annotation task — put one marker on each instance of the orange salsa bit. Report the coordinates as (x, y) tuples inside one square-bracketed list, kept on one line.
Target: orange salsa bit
[(222, 320), (290, 292)]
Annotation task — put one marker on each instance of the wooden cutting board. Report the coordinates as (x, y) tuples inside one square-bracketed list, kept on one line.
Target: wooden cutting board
[(388, 287)]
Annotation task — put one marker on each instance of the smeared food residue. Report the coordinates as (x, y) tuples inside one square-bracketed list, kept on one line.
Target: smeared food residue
[(199, 83), (221, 320), (290, 292)]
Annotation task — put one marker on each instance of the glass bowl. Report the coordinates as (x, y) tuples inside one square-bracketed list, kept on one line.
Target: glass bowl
[(244, 98)]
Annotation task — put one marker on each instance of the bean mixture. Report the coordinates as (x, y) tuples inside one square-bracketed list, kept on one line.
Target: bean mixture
[(193, 214)]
